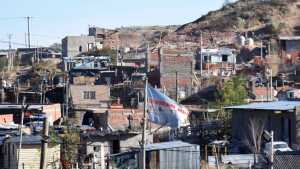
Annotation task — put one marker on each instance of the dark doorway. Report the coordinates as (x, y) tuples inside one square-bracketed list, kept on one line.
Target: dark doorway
[(116, 146), (88, 119)]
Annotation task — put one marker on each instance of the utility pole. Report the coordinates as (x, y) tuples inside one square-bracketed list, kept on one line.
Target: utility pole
[(201, 54), (272, 150), (21, 126), (67, 96), (2, 89), (17, 92), (44, 144), (271, 84), (42, 91), (269, 48), (261, 49), (94, 161), (176, 76), (9, 66), (25, 39), (28, 30)]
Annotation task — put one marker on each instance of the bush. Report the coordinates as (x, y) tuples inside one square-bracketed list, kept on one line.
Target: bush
[(274, 28)]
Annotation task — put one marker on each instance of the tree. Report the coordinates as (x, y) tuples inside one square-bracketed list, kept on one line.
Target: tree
[(56, 46), (275, 27), (255, 130), (253, 137), (226, 2), (39, 70), (233, 92), (105, 52), (71, 140)]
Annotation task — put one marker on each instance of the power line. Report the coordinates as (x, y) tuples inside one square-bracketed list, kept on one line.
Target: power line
[(45, 36), (15, 43), (10, 18)]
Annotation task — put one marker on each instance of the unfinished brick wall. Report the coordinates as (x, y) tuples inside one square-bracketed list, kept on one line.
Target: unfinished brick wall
[(6, 118), (119, 118), (180, 61), (154, 58)]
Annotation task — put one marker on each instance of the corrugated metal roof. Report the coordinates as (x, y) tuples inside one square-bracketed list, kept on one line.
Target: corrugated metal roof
[(30, 140), (276, 105), (27, 139), (1, 140), (289, 38), (18, 106), (167, 145)]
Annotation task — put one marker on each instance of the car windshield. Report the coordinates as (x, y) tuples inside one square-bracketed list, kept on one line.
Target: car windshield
[(280, 146)]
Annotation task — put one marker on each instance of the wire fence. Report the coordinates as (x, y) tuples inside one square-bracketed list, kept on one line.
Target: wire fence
[(286, 161)]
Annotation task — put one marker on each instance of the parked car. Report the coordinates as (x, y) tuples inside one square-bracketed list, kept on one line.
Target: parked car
[(277, 146)]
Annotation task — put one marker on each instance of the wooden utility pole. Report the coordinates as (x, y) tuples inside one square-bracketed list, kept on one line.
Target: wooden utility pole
[(44, 144), (176, 74), (10, 64), (17, 92), (201, 54), (21, 126), (261, 49), (67, 88), (272, 149)]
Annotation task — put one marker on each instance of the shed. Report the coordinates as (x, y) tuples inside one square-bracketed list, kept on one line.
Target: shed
[(30, 153), (165, 155), (280, 116)]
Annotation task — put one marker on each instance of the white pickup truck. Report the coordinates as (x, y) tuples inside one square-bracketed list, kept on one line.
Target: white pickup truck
[(277, 146)]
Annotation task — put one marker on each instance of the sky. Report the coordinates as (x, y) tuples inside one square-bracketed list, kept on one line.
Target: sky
[(53, 19)]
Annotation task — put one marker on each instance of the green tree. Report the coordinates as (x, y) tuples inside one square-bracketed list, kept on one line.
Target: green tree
[(105, 52), (70, 141), (275, 27), (233, 92)]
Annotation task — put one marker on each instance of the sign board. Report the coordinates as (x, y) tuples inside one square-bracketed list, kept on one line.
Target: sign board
[(267, 136)]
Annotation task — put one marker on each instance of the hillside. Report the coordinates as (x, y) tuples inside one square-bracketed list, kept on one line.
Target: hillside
[(263, 18), (137, 36)]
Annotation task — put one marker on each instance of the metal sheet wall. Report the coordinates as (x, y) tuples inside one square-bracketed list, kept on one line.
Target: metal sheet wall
[(180, 158)]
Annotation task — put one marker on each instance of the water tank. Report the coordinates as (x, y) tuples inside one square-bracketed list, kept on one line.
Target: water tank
[(241, 40), (250, 42)]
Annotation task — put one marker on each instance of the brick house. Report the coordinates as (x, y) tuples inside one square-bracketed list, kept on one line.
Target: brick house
[(289, 49), (89, 98)]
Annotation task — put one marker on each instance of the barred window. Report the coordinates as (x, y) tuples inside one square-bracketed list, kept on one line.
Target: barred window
[(89, 95)]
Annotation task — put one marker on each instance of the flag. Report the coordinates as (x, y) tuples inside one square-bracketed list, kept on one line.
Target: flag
[(165, 111)]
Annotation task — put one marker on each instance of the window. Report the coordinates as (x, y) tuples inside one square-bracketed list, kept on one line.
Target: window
[(96, 148), (224, 58), (290, 95), (90, 46), (206, 58), (80, 48), (89, 95)]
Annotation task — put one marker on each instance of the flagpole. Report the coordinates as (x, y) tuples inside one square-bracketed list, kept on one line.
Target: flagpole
[(144, 126), (143, 166)]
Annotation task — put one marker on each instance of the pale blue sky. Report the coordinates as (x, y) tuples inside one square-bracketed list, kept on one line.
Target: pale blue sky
[(54, 19)]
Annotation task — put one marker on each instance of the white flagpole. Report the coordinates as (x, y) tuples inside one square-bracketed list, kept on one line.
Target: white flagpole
[(144, 126), (143, 166)]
